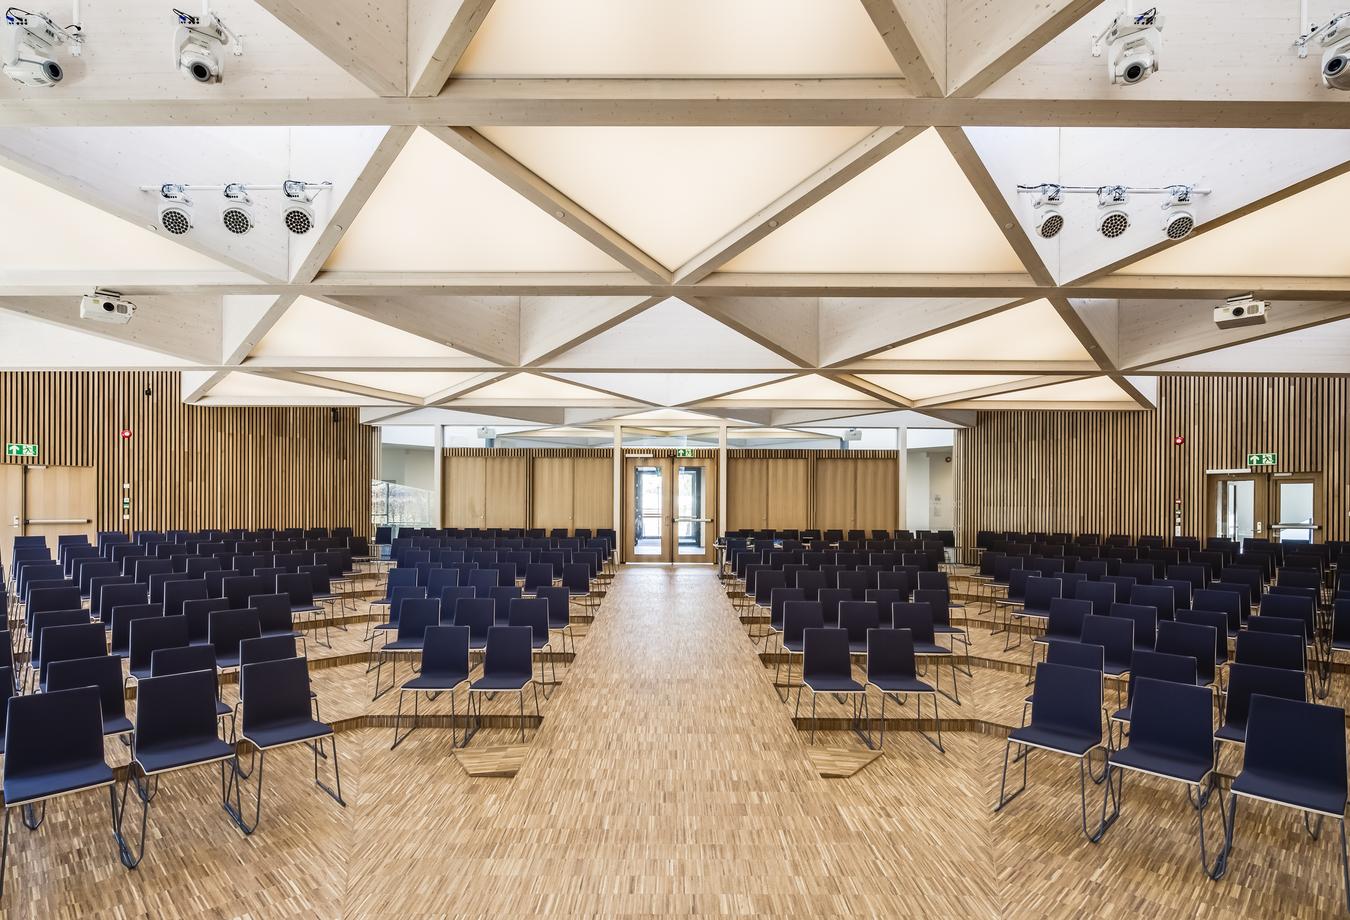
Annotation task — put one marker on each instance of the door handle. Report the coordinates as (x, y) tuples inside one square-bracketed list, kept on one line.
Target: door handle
[(56, 521)]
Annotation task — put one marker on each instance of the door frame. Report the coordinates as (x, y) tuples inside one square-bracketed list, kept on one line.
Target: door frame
[(1273, 502), (669, 464), (1265, 501)]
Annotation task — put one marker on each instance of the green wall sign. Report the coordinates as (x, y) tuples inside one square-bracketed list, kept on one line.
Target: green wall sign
[(1262, 459), (21, 450)]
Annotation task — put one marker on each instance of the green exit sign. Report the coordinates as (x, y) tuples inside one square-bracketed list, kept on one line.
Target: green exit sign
[(1262, 459), (21, 450), (684, 452)]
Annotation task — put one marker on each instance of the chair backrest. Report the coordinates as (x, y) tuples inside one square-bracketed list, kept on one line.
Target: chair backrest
[(1145, 622), (274, 611), (917, 618), (799, 616), (174, 710), (1300, 743), (181, 659), (825, 654), (478, 614), (298, 585), (1195, 639), (445, 653), (154, 633), (1228, 603), (1248, 680), (117, 595), (227, 628), (890, 655), (1040, 592), (1067, 699), (1162, 598), (1181, 592), (857, 617), (274, 693), (52, 619), (1172, 719), (1291, 607), (44, 599), (401, 594), (531, 612), (122, 618), (1114, 634), (1141, 572), (1077, 654), (1180, 669), (238, 590), (1100, 594), (509, 653), (1269, 649), (1285, 625), (1340, 621), (176, 593), (63, 643), (1065, 619), (33, 749), (101, 671), (266, 648), (576, 577), (417, 615)]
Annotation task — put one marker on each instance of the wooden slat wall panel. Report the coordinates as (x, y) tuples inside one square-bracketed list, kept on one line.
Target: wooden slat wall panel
[(592, 493), (747, 493), (1120, 472), (788, 499), (463, 491), (506, 491), (551, 492), (836, 494), (875, 498), (192, 466)]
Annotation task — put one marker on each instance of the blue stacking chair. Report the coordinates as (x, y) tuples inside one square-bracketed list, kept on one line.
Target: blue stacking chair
[(1116, 637), (275, 700), (891, 669), (450, 596), (1271, 649), (41, 764), (479, 615), (1149, 665), (177, 727), (1192, 640), (103, 672), (827, 668), (445, 668), (508, 667), (1066, 719), (559, 615), (416, 617), (186, 658), (1063, 623), (918, 619), (227, 629), (1039, 594), (1172, 738), (1296, 757), (1248, 680), (856, 619), (1145, 623), (1100, 594), (533, 612), (798, 616)]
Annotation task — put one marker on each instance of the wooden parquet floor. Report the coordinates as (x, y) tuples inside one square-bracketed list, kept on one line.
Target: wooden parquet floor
[(666, 779)]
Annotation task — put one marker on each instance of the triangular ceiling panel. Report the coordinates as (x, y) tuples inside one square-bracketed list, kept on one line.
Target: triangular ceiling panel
[(1322, 349), (252, 386), (692, 38), (670, 389), (533, 386), (185, 326), (808, 388), (671, 335), (411, 383), (659, 415), (436, 211), (673, 192), (1237, 166), (1095, 390), (927, 386), (312, 328), (26, 342), (914, 211), (1031, 332), (1295, 236), (91, 240)]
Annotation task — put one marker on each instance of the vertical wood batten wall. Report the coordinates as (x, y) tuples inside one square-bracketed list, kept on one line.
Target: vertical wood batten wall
[(795, 489), (528, 487), (1120, 472), (192, 466)]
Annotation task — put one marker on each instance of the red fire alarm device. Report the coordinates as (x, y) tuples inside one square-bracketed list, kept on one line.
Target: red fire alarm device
[(126, 433), (1179, 440)]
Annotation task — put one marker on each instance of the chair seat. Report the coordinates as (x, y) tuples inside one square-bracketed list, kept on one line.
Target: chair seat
[(857, 646), (20, 789), (141, 673), (387, 626), (1064, 742), (312, 608), (929, 648), (1179, 768), (833, 685), (426, 681), (1047, 639), (274, 633), (1122, 715), (1229, 732), (227, 661), (539, 642), (1031, 614), (287, 733), (948, 630), (792, 645), (403, 645), (1115, 669), (171, 757), (324, 597), (1280, 789), (900, 685), (222, 709), (501, 682), (117, 726)]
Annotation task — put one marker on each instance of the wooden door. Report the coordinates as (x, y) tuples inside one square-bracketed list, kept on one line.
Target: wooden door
[(1238, 506), (1295, 499), (11, 506), (58, 500), (693, 509), (646, 504)]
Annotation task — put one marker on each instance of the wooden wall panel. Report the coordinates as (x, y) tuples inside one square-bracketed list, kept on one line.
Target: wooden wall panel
[(192, 466), (788, 498), (463, 491), (836, 494), (592, 492), (747, 493), (1120, 472), (875, 504), (551, 492), (506, 492)]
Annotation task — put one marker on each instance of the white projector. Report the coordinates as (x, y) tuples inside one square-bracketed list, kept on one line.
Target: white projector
[(1241, 311), (106, 307)]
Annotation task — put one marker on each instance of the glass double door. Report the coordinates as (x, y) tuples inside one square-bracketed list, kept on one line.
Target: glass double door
[(670, 504), (1268, 506)]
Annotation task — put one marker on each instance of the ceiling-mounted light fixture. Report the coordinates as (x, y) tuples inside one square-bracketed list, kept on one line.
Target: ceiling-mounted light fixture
[(1049, 217), (175, 209), (1178, 216), (1112, 218), (237, 214)]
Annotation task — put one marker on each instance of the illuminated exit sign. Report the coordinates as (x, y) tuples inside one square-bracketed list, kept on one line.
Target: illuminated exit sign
[(21, 450), (1262, 459)]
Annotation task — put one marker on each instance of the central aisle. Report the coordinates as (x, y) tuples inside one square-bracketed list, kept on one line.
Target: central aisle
[(668, 779)]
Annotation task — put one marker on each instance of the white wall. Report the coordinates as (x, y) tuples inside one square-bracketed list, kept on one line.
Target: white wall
[(409, 466), (916, 490), (941, 491)]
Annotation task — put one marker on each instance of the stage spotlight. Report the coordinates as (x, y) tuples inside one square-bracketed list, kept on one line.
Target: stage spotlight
[(237, 214), (1049, 217), (195, 41), (1113, 219), (1132, 43), (296, 211), (28, 46), (175, 209), (1178, 214)]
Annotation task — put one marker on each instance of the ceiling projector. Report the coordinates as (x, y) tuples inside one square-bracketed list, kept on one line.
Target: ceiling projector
[(107, 307), (1239, 311)]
